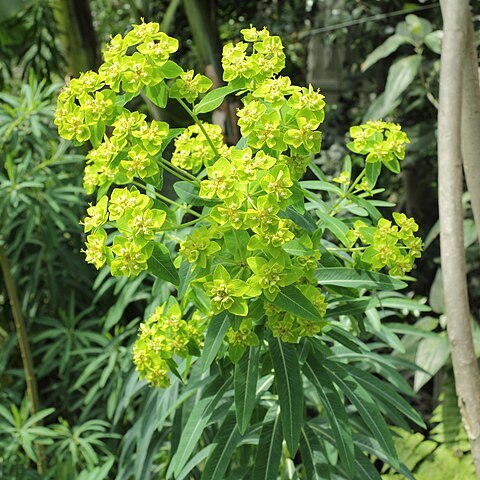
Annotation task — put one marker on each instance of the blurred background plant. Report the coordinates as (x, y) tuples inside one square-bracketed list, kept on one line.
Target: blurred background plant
[(96, 419)]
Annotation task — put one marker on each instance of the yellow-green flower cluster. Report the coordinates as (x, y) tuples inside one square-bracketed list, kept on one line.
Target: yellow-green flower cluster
[(137, 223), (189, 86), (193, 150), (91, 102), (393, 246), (164, 336), (250, 63), (381, 142)]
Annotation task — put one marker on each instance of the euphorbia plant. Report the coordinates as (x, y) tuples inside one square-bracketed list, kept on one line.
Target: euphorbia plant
[(263, 271)]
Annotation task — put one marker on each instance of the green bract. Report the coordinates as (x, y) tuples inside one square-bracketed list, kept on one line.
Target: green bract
[(247, 236)]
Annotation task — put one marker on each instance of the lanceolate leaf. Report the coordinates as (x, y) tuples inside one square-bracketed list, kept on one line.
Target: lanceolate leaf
[(384, 50), (371, 446), (336, 226), (380, 389), (269, 451), (365, 468), (355, 278), (212, 100), (160, 264), (245, 382), (365, 406), (197, 421), (353, 307), (189, 194), (216, 331), (400, 76), (335, 411), (225, 443), (372, 171), (290, 391), (292, 300), (313, 458)]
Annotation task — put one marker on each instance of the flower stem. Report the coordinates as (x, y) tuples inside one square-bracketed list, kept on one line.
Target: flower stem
[(333, 210), (200, 125), (169, 200)]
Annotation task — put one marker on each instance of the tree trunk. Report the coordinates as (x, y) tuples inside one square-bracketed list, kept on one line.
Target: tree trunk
[(471, 123), (450, 184)]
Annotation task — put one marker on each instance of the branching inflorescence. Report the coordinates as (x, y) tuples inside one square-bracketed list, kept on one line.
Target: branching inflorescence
[(252, 250)]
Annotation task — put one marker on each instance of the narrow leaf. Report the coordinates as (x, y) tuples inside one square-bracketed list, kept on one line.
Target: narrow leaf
[(269, 451), (245, 382), (335, 411), (336, 226), (390, 45), (160, 264), (292, 300), (365, 406), (400, 76), (382, 390), (355, 278), (290, 391), (197, 421), (188, 193), (313, 458), (225, 442), (216, 331)]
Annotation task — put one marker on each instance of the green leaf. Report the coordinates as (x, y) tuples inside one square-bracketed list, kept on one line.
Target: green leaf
[(158, 94), (382, 390), (400, 76), (160, 264), (365, 406), (313, 458), (245, 382), (372, 172), (295, 247), (171, 69), (225, 442), (352, 307), (365, 467), (336, 226), (432, 354), (189, 194), (212, 100), (269, 450), (198, 419), (290, 391), (389, 46), (335, 411), (371, 446), (216, 331), (321, 185), (355, 278), (292, 300), (434, 41), (194, 461)]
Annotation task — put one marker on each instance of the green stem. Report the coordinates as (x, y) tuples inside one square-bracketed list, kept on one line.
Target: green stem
[(186, 175), (200, 125), (340, 249), (24, 344), (183, 225), (169, 200), (347, 193)]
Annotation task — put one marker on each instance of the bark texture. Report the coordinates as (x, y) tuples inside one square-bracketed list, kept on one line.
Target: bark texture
[(450, 183), (471, 122)]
